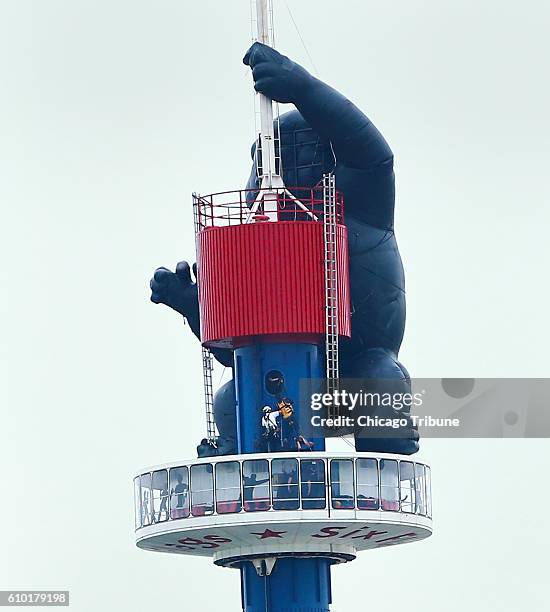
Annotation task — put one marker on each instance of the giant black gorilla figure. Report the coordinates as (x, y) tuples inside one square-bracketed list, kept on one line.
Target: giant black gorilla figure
[(327, 133)]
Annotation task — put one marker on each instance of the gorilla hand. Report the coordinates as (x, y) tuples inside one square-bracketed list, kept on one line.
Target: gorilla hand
[(275, 75), (176, 290)]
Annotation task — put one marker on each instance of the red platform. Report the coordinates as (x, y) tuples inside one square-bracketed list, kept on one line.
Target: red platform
[(267, 279)]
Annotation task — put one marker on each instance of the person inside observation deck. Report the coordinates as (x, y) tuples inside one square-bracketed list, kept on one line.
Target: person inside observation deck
[(181, 490), (249, 486), (328, 133), (286, 488), (249, 483), (163, 510)]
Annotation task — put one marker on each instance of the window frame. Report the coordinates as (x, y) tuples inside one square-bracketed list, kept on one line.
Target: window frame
[(187, 504), (367, 484), (332, 483), (412, 502), (153, 489), (428, 483), (324, 483), (137, 502), (385, 487), (296, 486), (262, 500), (240, 488), (141, 488), (420, 479), (195, 467)]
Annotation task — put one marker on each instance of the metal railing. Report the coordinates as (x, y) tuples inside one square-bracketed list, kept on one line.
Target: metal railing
[(230, 208)]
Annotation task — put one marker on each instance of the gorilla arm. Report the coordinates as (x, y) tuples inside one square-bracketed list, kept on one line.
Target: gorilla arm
[(364, 159), (178, 291)]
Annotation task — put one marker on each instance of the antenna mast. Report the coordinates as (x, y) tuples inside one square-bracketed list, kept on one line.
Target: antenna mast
[(268, 163), (267, 160)]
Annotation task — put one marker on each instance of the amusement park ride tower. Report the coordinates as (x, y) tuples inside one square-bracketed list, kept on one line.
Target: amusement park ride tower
[(274, 288)]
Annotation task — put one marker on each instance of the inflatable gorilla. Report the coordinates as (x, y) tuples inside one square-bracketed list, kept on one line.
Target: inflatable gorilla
[(327, 133)]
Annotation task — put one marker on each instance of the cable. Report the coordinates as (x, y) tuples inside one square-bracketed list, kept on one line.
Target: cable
[(347, 442), (333, 155), (265, 590), (301, 38), (222, 375)]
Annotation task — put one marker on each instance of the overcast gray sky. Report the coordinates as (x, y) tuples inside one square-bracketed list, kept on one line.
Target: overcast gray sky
[(109, 116)]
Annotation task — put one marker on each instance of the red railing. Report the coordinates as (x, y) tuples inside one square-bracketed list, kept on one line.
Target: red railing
[(239, 207)]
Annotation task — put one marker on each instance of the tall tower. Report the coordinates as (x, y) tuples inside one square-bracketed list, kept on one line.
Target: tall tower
[(274, 287)]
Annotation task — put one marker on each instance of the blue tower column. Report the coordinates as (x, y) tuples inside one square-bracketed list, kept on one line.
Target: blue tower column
[(296, 584), (296, 361)]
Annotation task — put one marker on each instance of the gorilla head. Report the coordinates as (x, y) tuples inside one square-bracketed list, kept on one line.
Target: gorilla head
[(305, 155)]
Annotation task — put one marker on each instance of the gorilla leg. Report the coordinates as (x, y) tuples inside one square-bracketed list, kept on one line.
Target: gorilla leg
[(384, 373), (225, 417)]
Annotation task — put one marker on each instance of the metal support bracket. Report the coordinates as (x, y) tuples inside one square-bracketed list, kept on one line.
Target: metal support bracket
[(264, 566)]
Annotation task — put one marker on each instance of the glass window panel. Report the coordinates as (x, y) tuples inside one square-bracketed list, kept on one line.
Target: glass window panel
[(228, 487), (407, 486), (428, 491), (341, 484), (367, 484), (284, 484), (160, 496), (313, 484), (389, 485), (202, 490), (145, 499), (256, 485), (179, 492), (420, 489), (137, 500)]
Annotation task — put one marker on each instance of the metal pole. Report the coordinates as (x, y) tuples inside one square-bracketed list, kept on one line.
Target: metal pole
[(269, 179), (293, 584)]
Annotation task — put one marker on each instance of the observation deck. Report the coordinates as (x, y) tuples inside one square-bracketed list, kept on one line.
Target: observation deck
[(306, 504)]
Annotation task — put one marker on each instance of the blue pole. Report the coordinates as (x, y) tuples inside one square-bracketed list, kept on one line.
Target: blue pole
[(294, 585), (295, 361), (265, 373)]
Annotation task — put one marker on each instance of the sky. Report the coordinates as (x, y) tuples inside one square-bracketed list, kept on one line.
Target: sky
[(112, 114)]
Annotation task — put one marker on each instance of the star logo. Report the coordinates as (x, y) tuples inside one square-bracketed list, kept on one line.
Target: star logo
[(268, 534)]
